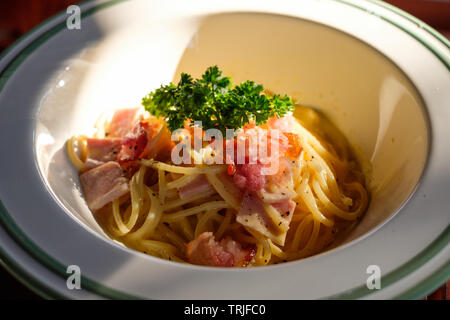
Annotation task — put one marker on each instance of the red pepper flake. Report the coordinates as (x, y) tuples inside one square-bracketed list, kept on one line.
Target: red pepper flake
[(231, 169)]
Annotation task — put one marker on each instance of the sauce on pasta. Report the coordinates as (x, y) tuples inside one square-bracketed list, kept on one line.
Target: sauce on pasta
[(326, 185)]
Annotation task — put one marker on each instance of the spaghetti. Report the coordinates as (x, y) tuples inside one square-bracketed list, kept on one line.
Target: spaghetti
[(154, 217)]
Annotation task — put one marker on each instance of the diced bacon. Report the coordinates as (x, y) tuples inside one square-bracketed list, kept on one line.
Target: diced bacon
[(198, 185), (123, 122), (100, 151), (272, 149), (205, 250), (133, 144), (103, 184), (249, 177), (240, 181), (241, 257)]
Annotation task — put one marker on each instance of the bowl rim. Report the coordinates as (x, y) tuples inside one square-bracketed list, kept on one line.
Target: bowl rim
[(44, 31)]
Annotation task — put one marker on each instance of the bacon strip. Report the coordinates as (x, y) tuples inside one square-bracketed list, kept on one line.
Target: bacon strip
[(253, 216), (103, 184), (100, 151), (123, 122)]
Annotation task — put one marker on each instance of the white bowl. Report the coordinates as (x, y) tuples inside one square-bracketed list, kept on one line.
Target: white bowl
[(379, 74)]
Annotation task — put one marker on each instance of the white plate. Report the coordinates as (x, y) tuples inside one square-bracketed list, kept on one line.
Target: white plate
[(54, 82)]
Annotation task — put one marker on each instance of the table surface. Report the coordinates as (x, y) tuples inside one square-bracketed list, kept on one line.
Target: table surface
[(19, 16)]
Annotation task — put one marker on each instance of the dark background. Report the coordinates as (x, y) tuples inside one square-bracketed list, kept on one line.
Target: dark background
[(19, 16)]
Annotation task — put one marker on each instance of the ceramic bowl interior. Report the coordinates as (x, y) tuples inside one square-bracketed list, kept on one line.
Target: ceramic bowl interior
[(361, 91)]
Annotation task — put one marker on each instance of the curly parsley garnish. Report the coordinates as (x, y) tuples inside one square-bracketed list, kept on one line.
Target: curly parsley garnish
[(214, 101)]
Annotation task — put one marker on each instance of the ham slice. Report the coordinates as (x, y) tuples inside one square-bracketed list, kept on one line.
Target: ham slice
[(123, 122), (205, 250), (253, 216), (103, 184), (286, 208), (100, 151), (198, 185)]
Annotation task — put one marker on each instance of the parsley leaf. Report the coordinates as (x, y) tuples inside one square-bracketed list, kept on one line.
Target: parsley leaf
[(212, 100)]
